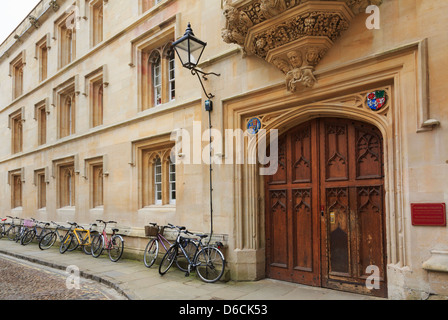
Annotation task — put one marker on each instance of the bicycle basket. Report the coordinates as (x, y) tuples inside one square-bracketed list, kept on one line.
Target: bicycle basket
[(28, 223), (151, 231)]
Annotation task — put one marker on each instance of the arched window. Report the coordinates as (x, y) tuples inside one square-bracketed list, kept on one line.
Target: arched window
[(98, 179), (172, 182), (158, 180), (97, 23), (100, 103), (172, 75), (67, 116), (69, 108), (97, 102), (17, 191), (67, 183), (158, 177), (158, 76), (157, 81)]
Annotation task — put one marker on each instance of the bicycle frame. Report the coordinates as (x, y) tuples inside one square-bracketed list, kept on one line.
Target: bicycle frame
[(43, 228), (107, 240), (162, 239), (11, 225), (73, 226), (43, 231), (60, 238), (22, 230), (199, 246), (84, 238)]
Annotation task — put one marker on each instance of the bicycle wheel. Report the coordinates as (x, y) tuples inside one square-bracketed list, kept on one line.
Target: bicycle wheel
[(66, 243), (28, 237), (87, 247), (12, 233), (2, 230), (168, 260), (47, 240), (19, 235), (190, 248), (210, 264), (97, 245), (74, 244), (151, 252), (116, 248)]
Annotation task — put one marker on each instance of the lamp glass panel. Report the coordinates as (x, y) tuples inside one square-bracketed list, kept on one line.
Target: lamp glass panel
[(183, 55)]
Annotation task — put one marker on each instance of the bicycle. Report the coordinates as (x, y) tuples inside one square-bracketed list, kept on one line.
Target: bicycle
[(13, 229), (3, 227), (208, 260), (115, 245), (82, 237), (31, 234), (152, 248), (25, 225), (67, 243), (49, 239)]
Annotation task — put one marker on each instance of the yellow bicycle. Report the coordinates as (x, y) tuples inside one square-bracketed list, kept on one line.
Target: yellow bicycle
[(79, 236)]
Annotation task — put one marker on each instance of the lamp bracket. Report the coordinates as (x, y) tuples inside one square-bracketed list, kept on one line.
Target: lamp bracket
[(196, 72)]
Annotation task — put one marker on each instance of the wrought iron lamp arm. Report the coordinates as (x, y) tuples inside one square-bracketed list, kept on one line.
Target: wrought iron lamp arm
[(196, 72)]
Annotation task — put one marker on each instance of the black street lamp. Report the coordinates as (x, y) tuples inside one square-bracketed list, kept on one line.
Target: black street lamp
[(189, 49)]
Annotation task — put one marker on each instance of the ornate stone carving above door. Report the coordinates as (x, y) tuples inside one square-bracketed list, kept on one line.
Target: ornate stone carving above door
[(293, 35)]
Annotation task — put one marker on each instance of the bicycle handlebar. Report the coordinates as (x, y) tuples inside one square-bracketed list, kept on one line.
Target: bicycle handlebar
[(177, 227), (106, 222)]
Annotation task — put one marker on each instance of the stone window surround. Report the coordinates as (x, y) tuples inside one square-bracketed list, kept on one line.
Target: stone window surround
[(41, 45), (16, 69), (144, 152), (39, 108), (13, 175), (89, 165), (57, 164), (41, 180), (143, 49), (94, 78), (15, 124)]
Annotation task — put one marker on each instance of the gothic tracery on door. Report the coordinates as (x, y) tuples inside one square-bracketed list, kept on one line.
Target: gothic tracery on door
[(325, 207)]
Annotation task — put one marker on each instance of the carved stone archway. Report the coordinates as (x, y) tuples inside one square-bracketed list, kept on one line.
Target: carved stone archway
[(293, 35), (338, 96)]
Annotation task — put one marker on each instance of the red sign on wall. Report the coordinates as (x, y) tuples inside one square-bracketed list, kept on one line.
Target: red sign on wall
[(428, 214)]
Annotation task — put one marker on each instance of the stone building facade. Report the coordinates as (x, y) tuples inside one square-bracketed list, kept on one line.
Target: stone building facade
[(92, 96)]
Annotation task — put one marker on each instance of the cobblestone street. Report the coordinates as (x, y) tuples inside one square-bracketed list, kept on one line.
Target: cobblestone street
[(26, 281)]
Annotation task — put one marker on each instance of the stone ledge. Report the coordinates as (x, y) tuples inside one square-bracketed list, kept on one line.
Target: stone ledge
[(438, 262)]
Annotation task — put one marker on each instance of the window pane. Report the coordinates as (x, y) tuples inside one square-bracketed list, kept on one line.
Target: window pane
[(158, 181), (157, 79), (172, 76), (172, 182)]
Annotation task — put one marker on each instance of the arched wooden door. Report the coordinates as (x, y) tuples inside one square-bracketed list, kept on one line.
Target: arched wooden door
[(325, 218)]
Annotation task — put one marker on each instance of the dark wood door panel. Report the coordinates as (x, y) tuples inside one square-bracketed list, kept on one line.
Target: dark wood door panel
[(325, 206)]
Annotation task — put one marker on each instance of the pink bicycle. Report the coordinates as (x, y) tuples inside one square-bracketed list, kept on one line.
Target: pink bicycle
[(114, 245)]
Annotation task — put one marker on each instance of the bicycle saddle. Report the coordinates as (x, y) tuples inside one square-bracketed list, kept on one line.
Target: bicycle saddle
[(4, 220), (115, 230), (202, 236)]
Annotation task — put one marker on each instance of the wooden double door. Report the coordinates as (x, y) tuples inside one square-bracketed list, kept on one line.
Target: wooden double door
[(325, 221)]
